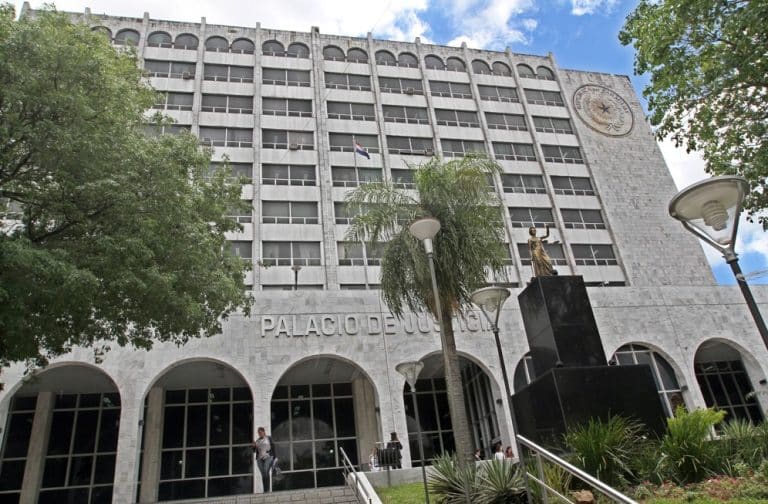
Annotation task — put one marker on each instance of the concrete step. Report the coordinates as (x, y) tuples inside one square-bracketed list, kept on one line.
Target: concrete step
[(328, 495)]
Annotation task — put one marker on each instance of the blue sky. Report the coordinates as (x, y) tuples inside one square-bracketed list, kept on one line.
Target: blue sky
[(582, 34)]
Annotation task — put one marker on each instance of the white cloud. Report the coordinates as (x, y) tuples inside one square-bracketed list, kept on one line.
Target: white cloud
[(491, 24), (398, 19), (582, 7)]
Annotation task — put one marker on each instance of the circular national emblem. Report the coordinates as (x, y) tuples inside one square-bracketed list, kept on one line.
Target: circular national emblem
[(603, 110)]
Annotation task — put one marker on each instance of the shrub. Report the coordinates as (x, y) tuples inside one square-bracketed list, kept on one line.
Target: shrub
[(605, 448), (501, 482), (453, 482), (742, 443), (687, 453)]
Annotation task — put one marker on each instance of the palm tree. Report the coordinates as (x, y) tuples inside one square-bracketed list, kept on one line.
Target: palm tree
[(470, 244)]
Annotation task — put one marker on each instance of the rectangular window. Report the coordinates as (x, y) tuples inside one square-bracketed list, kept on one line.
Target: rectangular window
[(241, 216), (554, 250), (286, 107), (348, 176), (463, 118), (514, 151), (525, 217), (291, 253), (539, 97), (403, 179), (229, 137), (528, 184), (227, 73), (552, 125), (410, 115), (594, 255), (343, 142), (359, 254), (347, 81), (170, 69), (351, 111), (237, 171), (457, 148), (450, 89), (580, 218), (579, 186), (289, 212), (342, 213), (405, 86), (173, 101), (514, 122), (498, 93), (293, 140), (242, 249), (279, 174), (284, 77), (411, 145), (562, 154), (227, 104)]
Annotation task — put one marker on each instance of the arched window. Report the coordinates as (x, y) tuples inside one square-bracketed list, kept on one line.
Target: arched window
[(242, 46), (500, 68), (434, 62), (159, 39), (544, 73), (407, 60), (103, 30), (525, 71), (297, 50), (217, 44), (481, 67), (127, 37), (333, 53), (186, 41), (385, 58), (455, 65), (272, 48), (356, 55), (663, 374)]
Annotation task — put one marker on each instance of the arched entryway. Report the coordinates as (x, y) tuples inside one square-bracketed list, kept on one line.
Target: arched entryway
[(61, 438), (724, 381), (197, 434), (434, 414), (321, 406)]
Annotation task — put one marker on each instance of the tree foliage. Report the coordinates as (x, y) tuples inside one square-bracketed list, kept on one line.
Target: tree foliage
[(108, 233), (470, 244), (708, 63)]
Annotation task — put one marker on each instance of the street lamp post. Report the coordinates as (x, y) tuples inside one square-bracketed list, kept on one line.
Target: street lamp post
[(490, 300), (411, 370), (296, 268), (710, 209)]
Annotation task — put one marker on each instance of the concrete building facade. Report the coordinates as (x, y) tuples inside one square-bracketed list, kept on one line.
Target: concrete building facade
[(315, 363)]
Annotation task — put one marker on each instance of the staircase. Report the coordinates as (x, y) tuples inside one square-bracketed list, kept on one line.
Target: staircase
[(328, 495)]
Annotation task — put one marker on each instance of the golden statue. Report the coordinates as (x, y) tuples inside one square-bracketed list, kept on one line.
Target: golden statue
[(540, 260)]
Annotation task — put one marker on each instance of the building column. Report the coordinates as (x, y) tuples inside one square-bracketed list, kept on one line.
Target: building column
[(153, 431), (38, 446), (366, 421), (128, 446)]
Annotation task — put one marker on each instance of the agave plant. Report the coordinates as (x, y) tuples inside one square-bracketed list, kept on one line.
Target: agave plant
[(453, 482), (501, 481), (687, 451)]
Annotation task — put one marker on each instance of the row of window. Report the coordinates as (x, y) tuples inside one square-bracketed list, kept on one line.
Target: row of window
[(304, 253), (330, 52), (354, 82)]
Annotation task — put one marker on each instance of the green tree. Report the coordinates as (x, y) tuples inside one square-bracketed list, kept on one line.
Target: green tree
[(470, 243), (108, 233), (708, 63)]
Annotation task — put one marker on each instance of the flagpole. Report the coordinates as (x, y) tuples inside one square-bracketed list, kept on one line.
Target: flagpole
[(354, 153)]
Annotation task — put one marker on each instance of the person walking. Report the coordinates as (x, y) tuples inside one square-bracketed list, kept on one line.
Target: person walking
[(265, 454)]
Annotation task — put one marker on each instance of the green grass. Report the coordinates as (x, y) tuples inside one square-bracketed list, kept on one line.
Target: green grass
[(410, 493), (704, 500)]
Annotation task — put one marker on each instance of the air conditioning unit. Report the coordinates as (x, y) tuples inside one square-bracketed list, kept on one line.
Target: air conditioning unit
[(409, 91), (187, 75), (429, 152), (294, 146)]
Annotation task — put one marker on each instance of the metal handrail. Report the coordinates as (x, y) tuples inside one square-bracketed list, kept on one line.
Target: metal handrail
[(350, 469), (540, 452)]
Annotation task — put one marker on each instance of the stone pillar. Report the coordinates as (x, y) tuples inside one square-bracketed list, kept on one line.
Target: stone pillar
[(127, 463), (366, 421), (38, 446), (153, 433)]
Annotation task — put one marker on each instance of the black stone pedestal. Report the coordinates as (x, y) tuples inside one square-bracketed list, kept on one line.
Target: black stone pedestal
[(573, 380), (568, 397)]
